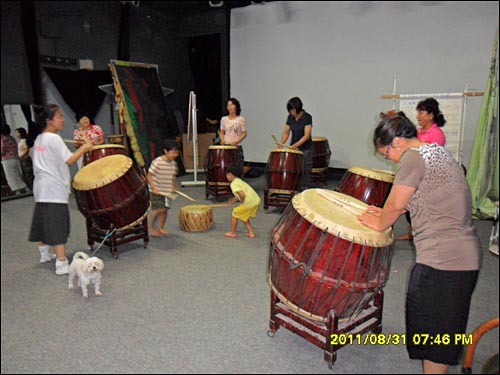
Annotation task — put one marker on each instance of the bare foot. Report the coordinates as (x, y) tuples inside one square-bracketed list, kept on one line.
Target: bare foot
[(230, 234), (163, 231), (98, 294), (405, 237), (154, 233), (250, 235)]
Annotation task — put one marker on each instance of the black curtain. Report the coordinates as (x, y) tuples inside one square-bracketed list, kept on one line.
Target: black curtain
[(30, 36), (205, 61), (80, 88), (124, 32)]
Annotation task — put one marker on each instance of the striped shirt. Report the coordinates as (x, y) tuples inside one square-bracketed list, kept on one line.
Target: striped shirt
[(164, 174)]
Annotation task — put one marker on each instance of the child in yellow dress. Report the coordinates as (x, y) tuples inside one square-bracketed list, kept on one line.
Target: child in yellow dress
[(249, 200)]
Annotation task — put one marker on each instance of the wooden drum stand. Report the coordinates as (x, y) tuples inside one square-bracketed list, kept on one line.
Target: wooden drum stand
[(117, 237), (323, 334)]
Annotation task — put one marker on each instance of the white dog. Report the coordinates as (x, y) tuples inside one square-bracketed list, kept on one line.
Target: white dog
[(88, 270)]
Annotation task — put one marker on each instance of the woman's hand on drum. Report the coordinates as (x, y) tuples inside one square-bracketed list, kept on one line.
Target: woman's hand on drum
[(233, 201), (371, 217), (374, 210)]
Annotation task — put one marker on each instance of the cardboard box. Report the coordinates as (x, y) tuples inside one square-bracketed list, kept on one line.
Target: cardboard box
[(205, 140)]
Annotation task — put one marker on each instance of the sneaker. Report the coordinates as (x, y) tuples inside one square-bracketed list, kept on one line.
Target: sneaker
[(62, 267), (45, 254), (45, 258)]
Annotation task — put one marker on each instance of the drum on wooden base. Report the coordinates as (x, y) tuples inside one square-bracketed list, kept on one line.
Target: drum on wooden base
[(321, 258), (285, 170), (219, 157), (101, 151), (371, 186), (111, 192), (195, 218)]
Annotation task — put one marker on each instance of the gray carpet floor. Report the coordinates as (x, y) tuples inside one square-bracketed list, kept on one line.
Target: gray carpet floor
[(189, 303)]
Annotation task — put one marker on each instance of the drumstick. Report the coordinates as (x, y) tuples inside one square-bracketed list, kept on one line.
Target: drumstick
[(69, 140), (169, 195), (216, 205), (276, 141), (185, 196)]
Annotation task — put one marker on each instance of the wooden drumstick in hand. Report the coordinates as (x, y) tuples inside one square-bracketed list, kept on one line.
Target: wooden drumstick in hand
[(278, 143), (185, 196)]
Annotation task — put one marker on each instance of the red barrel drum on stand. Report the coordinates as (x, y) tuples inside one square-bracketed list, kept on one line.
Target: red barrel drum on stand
[(327, 271), (284, 174), (112, 195), (217, 160)]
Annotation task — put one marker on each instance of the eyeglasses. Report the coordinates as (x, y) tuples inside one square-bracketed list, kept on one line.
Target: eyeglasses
[(386, 153)]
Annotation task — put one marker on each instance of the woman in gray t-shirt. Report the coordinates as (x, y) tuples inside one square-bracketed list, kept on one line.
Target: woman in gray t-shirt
[(431, 185)]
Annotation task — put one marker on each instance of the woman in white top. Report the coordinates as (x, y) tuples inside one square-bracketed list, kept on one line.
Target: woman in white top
[(233, 127), (51, 188)]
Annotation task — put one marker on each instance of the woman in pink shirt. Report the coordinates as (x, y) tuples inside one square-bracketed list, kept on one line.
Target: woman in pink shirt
[(430, 119)]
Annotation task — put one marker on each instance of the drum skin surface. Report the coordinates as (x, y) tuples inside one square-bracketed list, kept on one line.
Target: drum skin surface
[(321, 258), (285, 170), (371, 186), (112, 191)]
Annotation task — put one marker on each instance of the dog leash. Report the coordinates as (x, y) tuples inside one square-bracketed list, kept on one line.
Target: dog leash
[(105, 238)]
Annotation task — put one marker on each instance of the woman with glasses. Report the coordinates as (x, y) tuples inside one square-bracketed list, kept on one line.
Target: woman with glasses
[(431, 185)]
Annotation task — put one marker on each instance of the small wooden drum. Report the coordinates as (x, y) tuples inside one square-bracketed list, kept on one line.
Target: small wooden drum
[(285, 170), (218, 158), (322, 258), (371, 186), (195, 218), (116, 139), (112, 192), (101, 151), (321, 154)]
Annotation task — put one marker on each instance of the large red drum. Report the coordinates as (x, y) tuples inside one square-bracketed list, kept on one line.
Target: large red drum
[(285, 170), (219, 157), (321, 258), (371, 186), (112, 191), (101, 151), (321, 154)]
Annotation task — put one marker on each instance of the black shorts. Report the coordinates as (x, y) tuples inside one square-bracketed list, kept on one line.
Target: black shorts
[(437, 310), (50, 224), (158, 201)]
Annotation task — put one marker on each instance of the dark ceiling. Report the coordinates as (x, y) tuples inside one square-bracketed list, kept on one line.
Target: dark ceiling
[(184, 8)]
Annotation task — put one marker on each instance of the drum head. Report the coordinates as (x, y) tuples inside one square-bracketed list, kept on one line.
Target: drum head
[(222, 147), (102, 172), (195, 208), (288, 150), (319, 139), (336, 213), (376, 174)]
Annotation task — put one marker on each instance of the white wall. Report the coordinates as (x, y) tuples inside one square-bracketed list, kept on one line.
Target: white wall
[(340, 57)]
